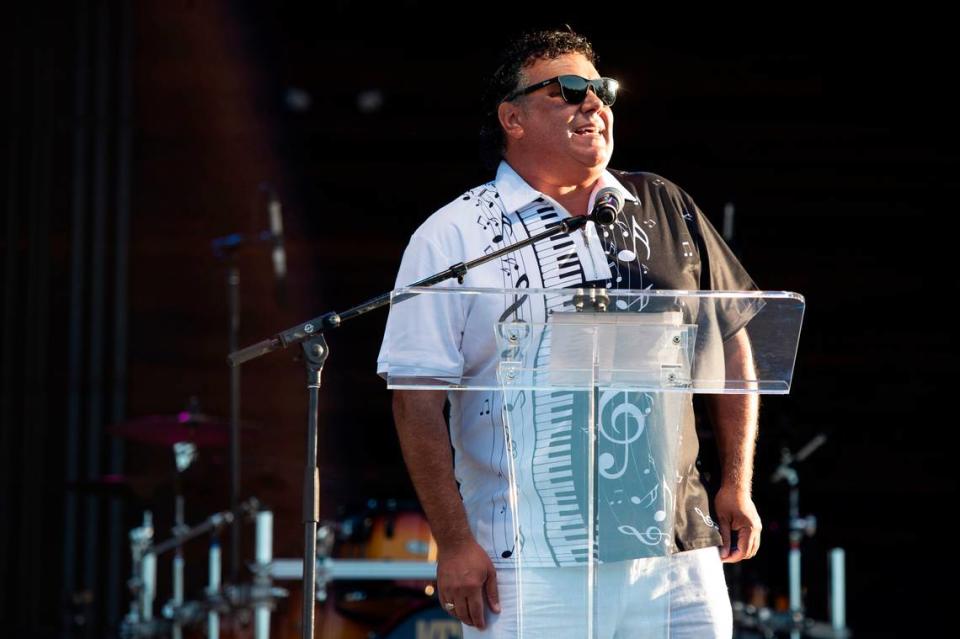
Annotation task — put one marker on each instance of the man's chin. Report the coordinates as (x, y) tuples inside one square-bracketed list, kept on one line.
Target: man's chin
[(597, 162), (594, 155)]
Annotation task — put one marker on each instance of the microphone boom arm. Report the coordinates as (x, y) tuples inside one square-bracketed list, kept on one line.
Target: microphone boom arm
[(310, 328)]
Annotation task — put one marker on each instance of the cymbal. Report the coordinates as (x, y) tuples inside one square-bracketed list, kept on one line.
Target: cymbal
[(166, 430)]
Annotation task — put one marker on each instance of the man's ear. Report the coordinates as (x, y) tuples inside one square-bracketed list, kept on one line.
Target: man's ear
[(511, 119)]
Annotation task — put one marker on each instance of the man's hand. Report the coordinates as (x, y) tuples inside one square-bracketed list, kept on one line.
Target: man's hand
[(736, 512), (465, 576)]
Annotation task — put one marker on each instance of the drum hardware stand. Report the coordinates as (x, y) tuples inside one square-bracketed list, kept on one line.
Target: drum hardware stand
[(326, 538), (142, 584), (214, 580), (140, 622), (261, 595), (795, 621)]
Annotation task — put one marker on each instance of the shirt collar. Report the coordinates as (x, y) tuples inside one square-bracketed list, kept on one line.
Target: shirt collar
[(515, 193)]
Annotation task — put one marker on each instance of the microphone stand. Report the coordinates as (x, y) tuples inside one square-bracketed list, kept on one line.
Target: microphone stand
[(310, 337), (225, 248)]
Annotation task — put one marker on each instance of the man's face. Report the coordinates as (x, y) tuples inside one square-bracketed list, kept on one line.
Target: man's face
[(566, 139)]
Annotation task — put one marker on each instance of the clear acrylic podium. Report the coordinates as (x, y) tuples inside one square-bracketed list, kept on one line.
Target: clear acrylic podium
[(593, 388)]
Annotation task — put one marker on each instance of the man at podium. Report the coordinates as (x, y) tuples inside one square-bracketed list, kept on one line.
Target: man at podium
[(549, 135)]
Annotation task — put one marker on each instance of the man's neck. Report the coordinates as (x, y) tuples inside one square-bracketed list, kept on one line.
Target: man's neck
[(574, 199), (573, 194)]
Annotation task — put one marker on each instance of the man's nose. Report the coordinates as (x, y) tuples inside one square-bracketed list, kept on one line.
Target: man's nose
[(592, 101)]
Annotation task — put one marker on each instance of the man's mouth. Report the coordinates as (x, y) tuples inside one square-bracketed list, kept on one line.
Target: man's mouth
[(589, 130)]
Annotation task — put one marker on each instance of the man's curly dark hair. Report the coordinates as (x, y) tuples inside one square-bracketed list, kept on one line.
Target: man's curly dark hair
[(523, 51)]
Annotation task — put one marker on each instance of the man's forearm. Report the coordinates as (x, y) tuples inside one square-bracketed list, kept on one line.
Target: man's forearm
[(735, 417), (425, 443), (735, 425)]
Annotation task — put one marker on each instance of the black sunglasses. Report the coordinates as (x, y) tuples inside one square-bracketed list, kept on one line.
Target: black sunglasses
[(573, 88)]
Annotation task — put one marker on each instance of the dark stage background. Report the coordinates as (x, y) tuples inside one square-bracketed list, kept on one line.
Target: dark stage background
[(134, 133)]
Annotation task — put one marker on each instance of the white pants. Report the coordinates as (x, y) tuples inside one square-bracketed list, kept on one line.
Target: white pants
[(683, 595)]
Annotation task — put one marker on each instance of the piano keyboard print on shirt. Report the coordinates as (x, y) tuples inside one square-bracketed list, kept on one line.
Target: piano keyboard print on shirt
[(558, 476)]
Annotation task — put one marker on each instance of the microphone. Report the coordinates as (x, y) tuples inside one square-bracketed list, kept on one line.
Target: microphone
[(608, 204), (276, 233), (278, 253)]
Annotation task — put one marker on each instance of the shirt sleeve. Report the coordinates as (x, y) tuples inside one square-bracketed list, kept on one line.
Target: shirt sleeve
[(424, 333), (722, 271)]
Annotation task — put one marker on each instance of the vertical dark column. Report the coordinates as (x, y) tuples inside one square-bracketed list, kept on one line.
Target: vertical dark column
[(75, 316), (118, 390), (95, 356)]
